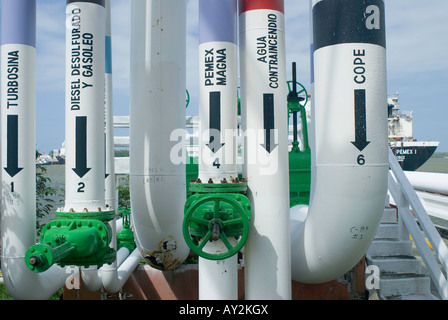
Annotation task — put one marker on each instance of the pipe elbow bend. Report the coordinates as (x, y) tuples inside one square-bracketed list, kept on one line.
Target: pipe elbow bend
[(341, 223), (23, 284)]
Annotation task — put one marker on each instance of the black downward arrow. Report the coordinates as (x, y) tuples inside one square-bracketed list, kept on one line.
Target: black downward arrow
[(215, 122), (105, 156), (269, 123), (81, 147), (12, 148), (360, 120)]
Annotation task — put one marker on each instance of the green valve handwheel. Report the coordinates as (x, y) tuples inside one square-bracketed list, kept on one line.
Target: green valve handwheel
[(296, 98), (216, 216)]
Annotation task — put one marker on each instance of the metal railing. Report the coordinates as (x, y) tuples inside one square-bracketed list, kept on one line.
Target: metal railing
[(415, 221)]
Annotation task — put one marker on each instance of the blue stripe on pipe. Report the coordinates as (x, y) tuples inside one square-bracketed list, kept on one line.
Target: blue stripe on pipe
[(217, 21), (18, 22), (108, 55)]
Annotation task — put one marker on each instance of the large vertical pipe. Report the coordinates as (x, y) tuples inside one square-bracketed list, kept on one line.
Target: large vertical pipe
[(217, 89), (84, 141), (109, 199), (18, 95), (157, 120), (109, 272), (264, 116), (349, 152), (218, 123)]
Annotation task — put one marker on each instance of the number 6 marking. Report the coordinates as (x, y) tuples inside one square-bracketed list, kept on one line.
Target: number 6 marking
[(361, 161)]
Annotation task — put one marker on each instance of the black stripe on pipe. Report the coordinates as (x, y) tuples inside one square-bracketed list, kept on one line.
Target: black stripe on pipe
[(348, 21), (100, 2)]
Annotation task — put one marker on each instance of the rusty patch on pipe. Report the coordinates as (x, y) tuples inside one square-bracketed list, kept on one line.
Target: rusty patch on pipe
[(163, 258)]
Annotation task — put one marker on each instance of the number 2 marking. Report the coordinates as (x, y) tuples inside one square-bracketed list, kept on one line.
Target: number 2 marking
[(81, 185)]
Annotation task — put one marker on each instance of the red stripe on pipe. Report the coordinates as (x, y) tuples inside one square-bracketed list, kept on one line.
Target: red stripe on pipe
[(247, 5)]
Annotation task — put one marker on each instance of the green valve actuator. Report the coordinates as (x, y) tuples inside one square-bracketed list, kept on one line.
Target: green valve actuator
[(80, 242)]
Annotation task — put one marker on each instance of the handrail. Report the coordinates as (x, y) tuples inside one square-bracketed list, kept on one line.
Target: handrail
[(406, 199)]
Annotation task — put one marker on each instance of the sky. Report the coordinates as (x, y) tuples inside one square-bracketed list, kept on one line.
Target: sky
[(417, 62)]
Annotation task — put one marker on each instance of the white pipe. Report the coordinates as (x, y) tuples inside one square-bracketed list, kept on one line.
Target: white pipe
[(85, 113), (91, 278), (264, 115), (218, 87), (109, 273), (218, 279), (428, 181), (157, 114), (122, 254), (349, 175), (111, 278), (218, 68), (85, 47), (128, 266), (18, 210), (109, 117)]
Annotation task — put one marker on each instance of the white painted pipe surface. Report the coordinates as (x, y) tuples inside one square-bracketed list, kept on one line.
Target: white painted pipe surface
[(18, 210), (111, 279), (91, 278), (109, 274), (218, 279), (349, 155), (157, 121), (428, 181), (85, 47), (109, 182), (218, 66), (265, 151)]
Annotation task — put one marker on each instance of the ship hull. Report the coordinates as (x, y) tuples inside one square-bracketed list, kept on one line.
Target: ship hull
[(412, 157)]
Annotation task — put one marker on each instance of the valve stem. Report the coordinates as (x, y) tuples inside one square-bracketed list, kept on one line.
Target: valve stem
[(34, 261), (216, 230)]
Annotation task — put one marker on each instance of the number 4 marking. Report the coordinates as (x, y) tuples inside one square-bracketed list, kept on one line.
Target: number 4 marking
[(216, 163)]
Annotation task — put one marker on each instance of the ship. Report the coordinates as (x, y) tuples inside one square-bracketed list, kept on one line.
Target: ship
[(60, 154), (410, 152)]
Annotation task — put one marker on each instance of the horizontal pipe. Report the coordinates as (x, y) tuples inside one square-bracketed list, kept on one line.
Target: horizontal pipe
[(428, 181)]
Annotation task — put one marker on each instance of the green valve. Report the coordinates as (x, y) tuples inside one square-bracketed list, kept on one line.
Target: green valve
[(299, 161), (212, 216), (299, 177), (126, 237), (74, 241)]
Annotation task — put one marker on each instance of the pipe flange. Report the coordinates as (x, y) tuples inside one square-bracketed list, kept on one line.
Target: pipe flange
[(199, 187), (85, 214)]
